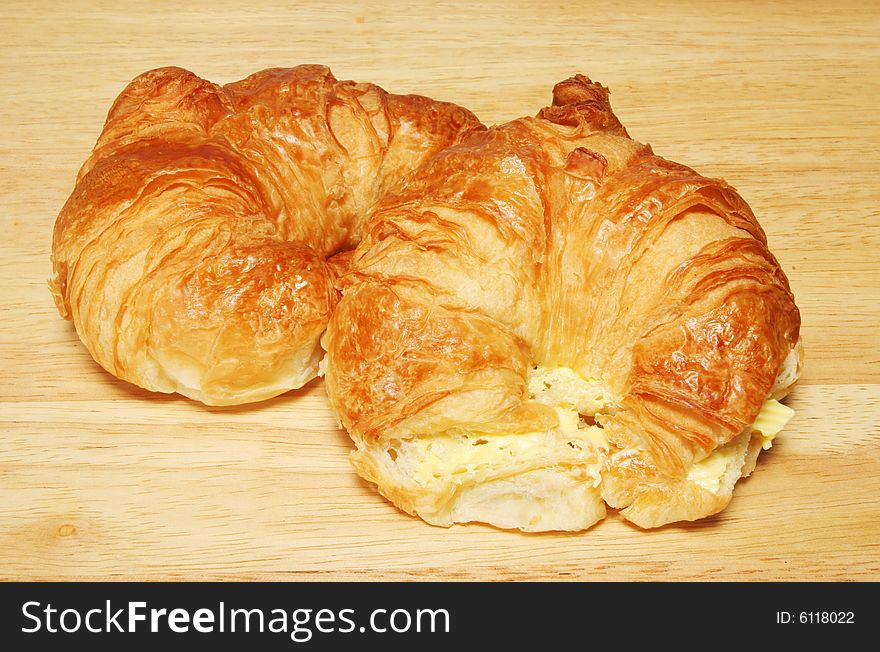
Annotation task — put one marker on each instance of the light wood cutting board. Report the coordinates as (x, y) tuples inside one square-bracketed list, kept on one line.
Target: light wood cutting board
[(99, 479)]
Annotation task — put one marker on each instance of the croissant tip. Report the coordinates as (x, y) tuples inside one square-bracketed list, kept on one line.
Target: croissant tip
[(579, 101), (577, 89)]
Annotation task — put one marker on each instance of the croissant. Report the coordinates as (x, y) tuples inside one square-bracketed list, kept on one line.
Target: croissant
[(539, 318), (547, 317), (196, 252)]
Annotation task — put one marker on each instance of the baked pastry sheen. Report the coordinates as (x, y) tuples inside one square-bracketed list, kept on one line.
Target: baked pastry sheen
[(192, 254), (539, 318), (548, 317)]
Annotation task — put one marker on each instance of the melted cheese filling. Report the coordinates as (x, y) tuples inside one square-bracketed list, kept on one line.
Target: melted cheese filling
[(572, 443), (708, 473), (565, 388), (459, 454), (771, 419)]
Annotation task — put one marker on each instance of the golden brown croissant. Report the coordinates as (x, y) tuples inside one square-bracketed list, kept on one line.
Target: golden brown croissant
[(548, 317), (541, 317), (192, 254)]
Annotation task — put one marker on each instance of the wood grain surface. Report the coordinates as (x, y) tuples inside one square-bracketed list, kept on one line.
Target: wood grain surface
[(99, 479)]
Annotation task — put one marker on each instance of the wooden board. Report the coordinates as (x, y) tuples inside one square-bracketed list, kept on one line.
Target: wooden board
[(99, 479)]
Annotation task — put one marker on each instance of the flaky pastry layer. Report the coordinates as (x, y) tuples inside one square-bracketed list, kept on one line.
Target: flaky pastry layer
[(538, 318), (195, 252), (559, 243)]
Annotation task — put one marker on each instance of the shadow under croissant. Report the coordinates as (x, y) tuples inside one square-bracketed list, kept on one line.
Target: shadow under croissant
[(139, 393), (275, 401), (111, 383), (129, 390)]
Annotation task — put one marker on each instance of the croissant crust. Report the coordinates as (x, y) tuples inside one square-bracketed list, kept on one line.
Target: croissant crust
[(557, 245), (195, 253), (522, 323)]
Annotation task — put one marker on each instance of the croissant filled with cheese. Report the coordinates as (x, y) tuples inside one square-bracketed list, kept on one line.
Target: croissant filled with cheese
[(548, 317), (522, 323)]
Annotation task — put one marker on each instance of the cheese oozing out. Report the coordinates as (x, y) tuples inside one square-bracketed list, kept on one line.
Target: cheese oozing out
[(772, 418), (460, 454), (710, 472)]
